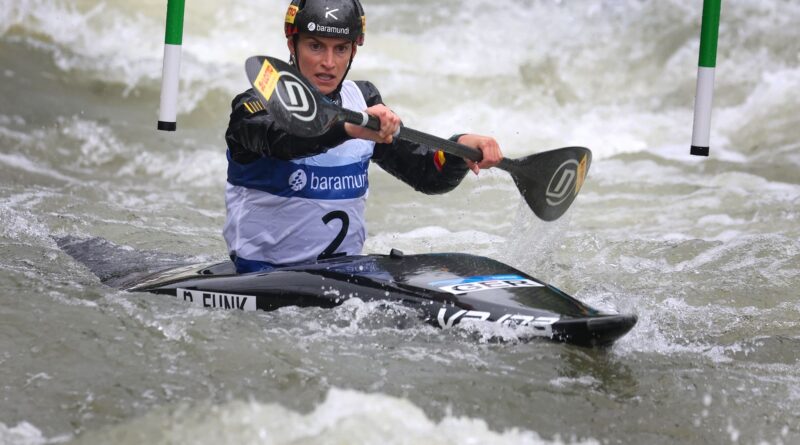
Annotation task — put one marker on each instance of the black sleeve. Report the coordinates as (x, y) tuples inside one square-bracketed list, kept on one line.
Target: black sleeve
[(252, 133), (422, 167)]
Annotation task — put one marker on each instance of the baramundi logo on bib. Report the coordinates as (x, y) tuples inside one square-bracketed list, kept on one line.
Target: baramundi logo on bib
[(322, 183), (297, 180)]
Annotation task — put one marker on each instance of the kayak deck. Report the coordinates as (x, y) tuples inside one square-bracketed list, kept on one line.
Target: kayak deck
[(446, 289)]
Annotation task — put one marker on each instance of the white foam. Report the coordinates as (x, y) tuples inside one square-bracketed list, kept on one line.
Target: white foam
[(345, 416), (578, 383), (350, 318), (721, 220), (20, 162), (25, 433), (98, 144), (652, 334), (203, 167), (673, 327), (20, 223)]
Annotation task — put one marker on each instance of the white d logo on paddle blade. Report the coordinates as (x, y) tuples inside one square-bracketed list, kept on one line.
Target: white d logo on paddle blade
[(297, 98), (562, 182)]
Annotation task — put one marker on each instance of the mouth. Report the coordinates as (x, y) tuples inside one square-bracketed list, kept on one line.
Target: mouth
[(325, 78)]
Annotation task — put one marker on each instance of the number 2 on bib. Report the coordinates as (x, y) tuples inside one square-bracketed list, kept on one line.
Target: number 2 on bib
[(329, 251)]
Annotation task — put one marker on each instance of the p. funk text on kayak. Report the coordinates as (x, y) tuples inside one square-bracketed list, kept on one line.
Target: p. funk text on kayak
[(217, 300)]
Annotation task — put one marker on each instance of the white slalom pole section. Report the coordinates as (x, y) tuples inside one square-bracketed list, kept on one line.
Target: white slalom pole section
[(701, 132), (170, 76), (704, 97)]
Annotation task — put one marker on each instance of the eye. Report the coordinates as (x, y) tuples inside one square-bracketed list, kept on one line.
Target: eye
[(314, 46)]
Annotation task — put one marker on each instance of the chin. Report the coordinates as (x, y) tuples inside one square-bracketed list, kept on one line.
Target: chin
[(325, 89)]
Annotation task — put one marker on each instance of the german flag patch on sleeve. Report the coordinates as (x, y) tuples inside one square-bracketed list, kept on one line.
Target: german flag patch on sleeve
[(439, 160), (254, 106)]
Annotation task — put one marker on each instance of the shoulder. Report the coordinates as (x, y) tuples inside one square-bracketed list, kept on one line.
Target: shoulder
[(370, 92)]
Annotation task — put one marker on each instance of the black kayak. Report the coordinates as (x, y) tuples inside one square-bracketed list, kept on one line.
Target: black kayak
[(446, 289)]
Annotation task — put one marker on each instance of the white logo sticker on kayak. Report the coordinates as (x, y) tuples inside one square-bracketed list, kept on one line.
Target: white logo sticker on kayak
[(488, 282), (448, 317), (216, 300)]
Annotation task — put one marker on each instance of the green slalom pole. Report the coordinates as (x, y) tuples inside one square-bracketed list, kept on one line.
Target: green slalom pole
[(168, 111), (701, 131)]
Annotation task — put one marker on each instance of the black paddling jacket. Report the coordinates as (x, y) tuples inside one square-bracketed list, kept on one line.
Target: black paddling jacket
[(252, 134)]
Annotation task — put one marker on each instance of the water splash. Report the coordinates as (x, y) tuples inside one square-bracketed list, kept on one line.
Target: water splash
[(344, 416)]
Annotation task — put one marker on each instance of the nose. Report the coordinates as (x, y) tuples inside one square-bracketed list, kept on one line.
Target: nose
[(328, 59)]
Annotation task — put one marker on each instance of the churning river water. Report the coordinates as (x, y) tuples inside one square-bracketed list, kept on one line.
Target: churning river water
[(704, 250)]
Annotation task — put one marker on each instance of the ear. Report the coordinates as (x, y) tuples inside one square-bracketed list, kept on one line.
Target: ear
[(290, 45), (355, 49)]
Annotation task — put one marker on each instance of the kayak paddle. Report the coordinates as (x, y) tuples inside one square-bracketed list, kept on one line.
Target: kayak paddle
[(548, 181)]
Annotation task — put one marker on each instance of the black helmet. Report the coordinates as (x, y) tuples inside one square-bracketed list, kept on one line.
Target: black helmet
[(326, 18)]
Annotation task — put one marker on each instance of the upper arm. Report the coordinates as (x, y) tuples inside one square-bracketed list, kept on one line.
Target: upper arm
[(370, 92)]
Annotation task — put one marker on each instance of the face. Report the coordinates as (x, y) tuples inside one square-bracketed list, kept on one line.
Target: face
[(323, 60)]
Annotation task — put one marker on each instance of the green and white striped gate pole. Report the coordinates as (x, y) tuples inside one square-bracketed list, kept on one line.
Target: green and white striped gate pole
[(701, 131), (168, 111)]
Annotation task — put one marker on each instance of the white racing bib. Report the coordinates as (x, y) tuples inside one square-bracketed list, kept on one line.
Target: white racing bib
[(285, 212)]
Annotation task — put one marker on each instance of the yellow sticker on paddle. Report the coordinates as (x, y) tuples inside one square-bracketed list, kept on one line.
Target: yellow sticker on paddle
[(266, 80), (581, 175)]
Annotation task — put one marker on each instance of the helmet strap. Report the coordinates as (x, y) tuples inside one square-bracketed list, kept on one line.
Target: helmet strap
[(335, 92), (292, 60)]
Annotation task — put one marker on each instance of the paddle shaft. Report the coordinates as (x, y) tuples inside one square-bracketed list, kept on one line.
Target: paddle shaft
[(409, 134)]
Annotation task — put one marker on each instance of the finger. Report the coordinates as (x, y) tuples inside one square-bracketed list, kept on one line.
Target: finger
[(491, 154), (473, 166), (390, 120), (389, 125), (379, 134), (486, 155)]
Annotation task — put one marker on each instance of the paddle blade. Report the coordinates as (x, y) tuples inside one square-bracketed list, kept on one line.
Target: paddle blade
[(550, 181), (291, 100)]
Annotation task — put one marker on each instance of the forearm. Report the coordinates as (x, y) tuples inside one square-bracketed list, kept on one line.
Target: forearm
[(424, 168)]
